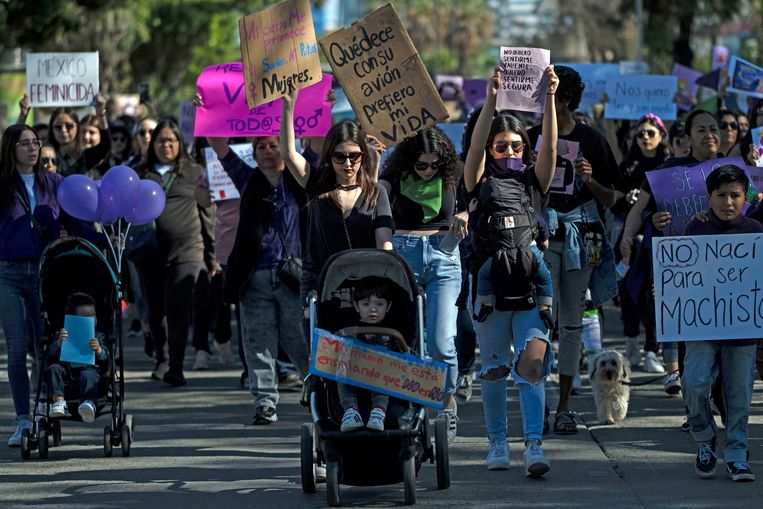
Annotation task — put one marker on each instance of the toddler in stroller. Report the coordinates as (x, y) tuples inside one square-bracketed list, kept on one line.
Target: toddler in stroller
[(87, 376)]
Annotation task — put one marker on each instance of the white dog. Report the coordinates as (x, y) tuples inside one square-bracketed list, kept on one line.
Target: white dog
[(610, 368)]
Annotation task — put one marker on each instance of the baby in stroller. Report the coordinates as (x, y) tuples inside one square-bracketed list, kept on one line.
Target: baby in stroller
[(78, 304), (372, 300)]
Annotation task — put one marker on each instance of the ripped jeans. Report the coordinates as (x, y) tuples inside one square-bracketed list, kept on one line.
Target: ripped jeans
[(496, 335)]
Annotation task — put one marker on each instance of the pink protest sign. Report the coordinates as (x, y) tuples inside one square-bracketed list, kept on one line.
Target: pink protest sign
[(225, 112)]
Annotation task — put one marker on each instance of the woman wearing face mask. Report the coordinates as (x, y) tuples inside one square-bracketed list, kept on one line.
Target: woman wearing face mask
[(420, 178), (142, 141), (30, 218), (507, 157), (80, 153), (186, 249)]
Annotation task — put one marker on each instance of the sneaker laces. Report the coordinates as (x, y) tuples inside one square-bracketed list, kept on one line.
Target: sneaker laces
[(534, 449), (494, 449), (740, 465), (705, 452)]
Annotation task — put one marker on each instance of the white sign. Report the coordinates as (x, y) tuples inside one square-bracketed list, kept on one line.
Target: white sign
[(708, 287), (220, 183), (61, 79)]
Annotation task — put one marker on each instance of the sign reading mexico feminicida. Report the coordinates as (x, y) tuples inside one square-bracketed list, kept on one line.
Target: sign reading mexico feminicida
[(61, 79)]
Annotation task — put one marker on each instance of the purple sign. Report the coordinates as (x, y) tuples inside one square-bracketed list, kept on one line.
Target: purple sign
[(475, 91), (681, 190)]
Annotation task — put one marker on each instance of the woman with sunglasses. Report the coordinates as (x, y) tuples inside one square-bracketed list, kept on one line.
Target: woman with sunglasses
[(348, 209), (78, 155), (142, 141), (507, 155), (49, 158), (728, 123), (30, 218), (120, 150), (420, 178)]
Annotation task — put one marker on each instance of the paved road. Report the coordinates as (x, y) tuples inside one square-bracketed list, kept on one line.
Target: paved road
[(195, 448)]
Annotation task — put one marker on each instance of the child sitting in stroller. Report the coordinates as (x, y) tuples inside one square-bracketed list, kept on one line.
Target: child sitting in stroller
[(78, 304), (372, 300)]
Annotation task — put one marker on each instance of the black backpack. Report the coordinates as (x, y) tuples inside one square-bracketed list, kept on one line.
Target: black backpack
[(507, 227)]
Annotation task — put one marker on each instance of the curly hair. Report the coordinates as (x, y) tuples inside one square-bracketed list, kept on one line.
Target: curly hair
[(570, 87), (429, 141)]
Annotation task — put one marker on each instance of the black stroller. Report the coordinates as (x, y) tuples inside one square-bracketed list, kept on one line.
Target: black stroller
[(406, 441), (70, 265)]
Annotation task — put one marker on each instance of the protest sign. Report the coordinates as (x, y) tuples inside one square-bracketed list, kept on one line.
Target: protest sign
[(76, 348), (475, 91), (126, 104), (455, 132), (594, 78), (451, 83), (757, 140), (745, 78), (687, 85), (631, 97), (633, 67), (564, 175), (521, 88), (377, 369), (186, 120), (756, 179), (278, 47), (720, 58), (708, 287), (383, 76), (225, 112), (61, 79), (220, 184), (681, 190)]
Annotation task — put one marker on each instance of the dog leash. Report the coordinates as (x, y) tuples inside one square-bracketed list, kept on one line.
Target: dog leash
[(649, 381)]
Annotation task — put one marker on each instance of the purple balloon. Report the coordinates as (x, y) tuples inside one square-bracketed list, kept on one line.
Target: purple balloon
[(150, 203), (105, 216), (120, 190), (78, 196)]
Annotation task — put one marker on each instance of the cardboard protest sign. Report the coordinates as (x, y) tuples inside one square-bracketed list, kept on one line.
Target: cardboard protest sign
[(757, 140), (76, 348), (225, 112), (687, 85), (377, 369), (278, 47), (521, 88), (220, 184), (745, 78), (720, 58), (475, 91), (631, 97), (383, 76), (594, 78), (681, 190), (186, 120), (707, 287), (564, 175), (61, 79)]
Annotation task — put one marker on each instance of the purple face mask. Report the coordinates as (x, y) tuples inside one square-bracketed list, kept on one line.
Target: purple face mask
[(508, 166)]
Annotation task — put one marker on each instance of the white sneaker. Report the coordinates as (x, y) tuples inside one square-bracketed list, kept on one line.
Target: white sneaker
[(160, 369), (632, 352), (652, 365), (59, 409), (15, 440), (86, 410), (536, 463), (376, 419), (451, 414), (224, 351), (351, 420), (672, 384), (498, 455), (202, 360)]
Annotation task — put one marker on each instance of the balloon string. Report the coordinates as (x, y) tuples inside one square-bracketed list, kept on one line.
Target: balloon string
[(111, 245), (119, 246)]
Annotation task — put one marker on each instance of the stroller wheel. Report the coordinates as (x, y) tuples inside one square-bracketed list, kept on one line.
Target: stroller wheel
[(107, 441), (409, 480), (56, 425), (125, 440), (43, 440), (25, 446), (332, 483), (441, 453), (306, 457)]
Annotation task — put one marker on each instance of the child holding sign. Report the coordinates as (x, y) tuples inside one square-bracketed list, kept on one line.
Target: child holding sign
[(78, 304), (727, 189), (371, 300)]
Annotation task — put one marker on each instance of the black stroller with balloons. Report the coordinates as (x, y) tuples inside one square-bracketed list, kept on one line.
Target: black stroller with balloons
[(74, 265)]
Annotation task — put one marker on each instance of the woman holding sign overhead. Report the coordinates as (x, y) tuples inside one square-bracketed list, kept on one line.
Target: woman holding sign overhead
[(502, 175), (69, 143)]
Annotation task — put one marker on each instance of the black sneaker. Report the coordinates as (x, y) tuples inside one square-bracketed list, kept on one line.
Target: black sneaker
[(174, 379), (148, 344), (706, 462), (265, 415), (685, 427), (739, 471)]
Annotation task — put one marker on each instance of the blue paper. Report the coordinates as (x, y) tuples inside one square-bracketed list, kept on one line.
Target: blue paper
[(76, 349), (631, 97), (594, 77)]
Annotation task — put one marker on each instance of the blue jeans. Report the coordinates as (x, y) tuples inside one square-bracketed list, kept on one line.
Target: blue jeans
[(87, 378), (737, 365), (22, 324), (496, 335), (439, 273)]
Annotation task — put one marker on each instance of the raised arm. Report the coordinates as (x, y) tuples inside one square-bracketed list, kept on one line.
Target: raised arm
[(23, 110), (298, 165), (474, 166), (546, 162)]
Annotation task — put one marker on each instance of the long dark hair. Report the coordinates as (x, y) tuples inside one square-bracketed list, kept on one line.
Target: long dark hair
[(151, 158), (52, 132), (339, 133), (505, 122), (429, 141), (635, 154), (120, 129), (11, 137)]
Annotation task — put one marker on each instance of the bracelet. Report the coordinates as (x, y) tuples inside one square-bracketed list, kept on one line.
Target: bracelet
[(550, 93)]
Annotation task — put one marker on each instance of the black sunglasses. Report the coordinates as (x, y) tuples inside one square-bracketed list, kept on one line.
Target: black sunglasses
[(422, 166), (646, 133), (723, 125), (52, 160), (144, 132), (503, 146), (118, 139), (341, 157)]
